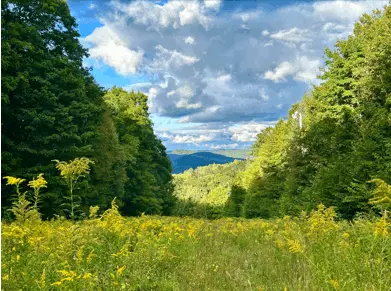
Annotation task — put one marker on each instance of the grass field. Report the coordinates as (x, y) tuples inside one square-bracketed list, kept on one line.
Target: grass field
[(110, 252)]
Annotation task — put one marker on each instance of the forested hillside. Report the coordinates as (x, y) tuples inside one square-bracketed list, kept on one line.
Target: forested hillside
[(192, 160), (237, 154), (53, 109), (210, 184)]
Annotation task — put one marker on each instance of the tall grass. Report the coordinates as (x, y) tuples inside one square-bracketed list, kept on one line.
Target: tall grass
[(110, 252)]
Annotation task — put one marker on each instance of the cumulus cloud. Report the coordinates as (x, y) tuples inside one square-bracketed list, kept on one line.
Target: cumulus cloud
[(247, 132), (344, 10), (208, 64), (213, 4), (189, 40), (185, 93), (284, 69), (302, 69), (223, 146), (108, 47), (293, 35), (172, 14), (186, 138), (166, 60)]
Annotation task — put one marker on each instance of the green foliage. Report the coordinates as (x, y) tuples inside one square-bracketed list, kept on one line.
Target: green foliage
[(191, 208), (209, 185), (51, 103), (108, 175), (234, 205), (148, 187), (37, 184), (71, 172), (21, 208), (55, 110), (381, 195), (23, 211)]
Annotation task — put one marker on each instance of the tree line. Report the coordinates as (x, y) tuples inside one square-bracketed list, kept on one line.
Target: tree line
[(52, 109)]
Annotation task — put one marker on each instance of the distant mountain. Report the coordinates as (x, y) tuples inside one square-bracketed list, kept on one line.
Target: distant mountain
[(237, 154), (183, 160)]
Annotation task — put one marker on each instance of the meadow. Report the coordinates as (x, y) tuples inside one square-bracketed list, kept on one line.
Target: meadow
[(109, 252)]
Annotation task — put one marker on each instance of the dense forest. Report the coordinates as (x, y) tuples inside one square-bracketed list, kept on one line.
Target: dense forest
[(52, 109)]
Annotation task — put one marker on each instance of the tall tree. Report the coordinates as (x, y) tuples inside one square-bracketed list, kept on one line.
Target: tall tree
[(148, 169), (51, 105)]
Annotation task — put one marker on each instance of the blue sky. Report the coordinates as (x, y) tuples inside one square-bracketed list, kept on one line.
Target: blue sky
[(216, 72)]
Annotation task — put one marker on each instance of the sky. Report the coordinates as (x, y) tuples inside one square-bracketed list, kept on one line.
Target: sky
[(216, 72)]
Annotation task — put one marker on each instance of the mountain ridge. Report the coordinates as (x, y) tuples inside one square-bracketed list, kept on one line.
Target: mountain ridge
[(183, 160)]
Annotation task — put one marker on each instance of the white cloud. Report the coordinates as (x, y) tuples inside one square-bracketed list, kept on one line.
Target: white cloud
[(170, 59), (302, 69), (184, 103), (236, 62), (263, 94), (138, 86), (189, 40), (213, 4), (308, 70), (172, 14), (217, 85), (248, 16), (191, 139), (186, 138), (284, 69), (265, 32), (347, 11), (247, 132), (293, 35), (270, 43), (107, 46), (92, 6), (223, 146), (185, 93)]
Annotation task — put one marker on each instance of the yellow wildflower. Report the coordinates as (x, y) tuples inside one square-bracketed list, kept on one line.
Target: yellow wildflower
[(43, 279), (93, 211), (5, 277), (120, 270), (87, 276), (335, 284), (269, 232), (90, 256), (294, 246), (56, 283), (38, 182), (13, 180), (382, 225)]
